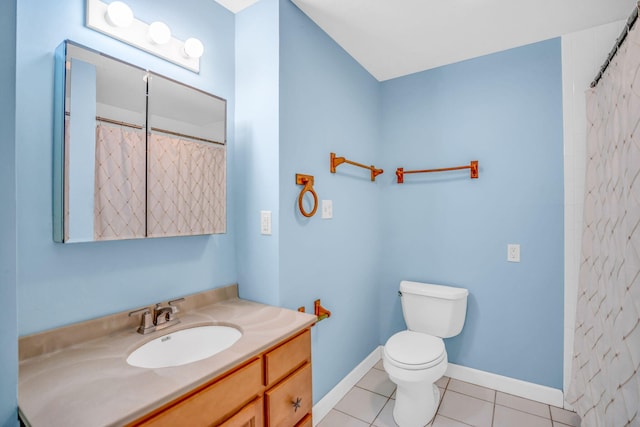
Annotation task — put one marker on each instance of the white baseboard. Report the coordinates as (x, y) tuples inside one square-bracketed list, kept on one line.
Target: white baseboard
[(532, 391), (330, 399), (539, 393)]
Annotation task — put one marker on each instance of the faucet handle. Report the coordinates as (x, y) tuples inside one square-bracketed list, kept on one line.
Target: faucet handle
[(146, 322), (174, 308), (142, 311)]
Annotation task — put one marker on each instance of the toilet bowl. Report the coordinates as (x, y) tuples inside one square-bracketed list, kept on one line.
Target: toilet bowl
[(415, 359), (414, 362)]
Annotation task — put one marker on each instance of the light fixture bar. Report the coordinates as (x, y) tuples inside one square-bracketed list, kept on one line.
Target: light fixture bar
[(137, 34)]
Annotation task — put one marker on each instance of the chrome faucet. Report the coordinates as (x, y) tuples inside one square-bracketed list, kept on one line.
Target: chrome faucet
[(146, 322), (162, 317)]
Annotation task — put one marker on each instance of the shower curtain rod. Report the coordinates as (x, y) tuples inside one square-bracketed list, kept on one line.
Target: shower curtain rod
[(118, 122), (114, 122), (632, 20), (169, 132), (184, 135)]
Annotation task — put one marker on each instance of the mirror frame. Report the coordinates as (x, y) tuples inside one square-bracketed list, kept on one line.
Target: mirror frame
[(60, 103)]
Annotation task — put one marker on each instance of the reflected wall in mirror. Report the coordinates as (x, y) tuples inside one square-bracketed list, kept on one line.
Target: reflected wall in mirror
[(136, 154)]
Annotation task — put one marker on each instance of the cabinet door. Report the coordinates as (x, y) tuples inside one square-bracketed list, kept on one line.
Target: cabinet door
[(213, 403), (290, 401), (250, 416)]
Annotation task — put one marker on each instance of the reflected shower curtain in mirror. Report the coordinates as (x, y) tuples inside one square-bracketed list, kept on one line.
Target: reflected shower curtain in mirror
[(119, 196), (605, 386), (186, 188)]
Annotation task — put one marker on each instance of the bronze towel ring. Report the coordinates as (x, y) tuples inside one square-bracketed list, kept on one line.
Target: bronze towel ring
[(307, 181)]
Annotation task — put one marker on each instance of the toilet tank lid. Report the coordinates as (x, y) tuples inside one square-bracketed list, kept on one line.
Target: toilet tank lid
[(436, 291)]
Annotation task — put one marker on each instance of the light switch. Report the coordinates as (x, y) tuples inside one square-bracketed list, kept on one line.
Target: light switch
[(513, 252), (327, 209), (265, 222)]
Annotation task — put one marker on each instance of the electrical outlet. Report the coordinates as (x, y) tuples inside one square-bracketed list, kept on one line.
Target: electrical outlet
[(513, 252), (265, 222), (327, 209)]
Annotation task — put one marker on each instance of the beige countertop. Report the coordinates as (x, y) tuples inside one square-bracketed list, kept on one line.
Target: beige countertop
[(90, 383)]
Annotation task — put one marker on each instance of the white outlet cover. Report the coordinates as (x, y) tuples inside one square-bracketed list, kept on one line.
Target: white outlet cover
[(265, 222), (327, 209), (513, 252)]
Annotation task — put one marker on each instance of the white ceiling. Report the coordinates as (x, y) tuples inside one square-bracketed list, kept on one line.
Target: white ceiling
[(236, 6), (393, 38)]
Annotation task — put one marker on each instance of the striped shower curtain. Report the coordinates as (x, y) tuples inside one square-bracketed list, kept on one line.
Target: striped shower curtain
[(605, 383)]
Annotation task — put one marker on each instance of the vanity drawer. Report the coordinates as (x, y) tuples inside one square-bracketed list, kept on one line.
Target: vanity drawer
[(287, 357), (281, 399), (213, 403)]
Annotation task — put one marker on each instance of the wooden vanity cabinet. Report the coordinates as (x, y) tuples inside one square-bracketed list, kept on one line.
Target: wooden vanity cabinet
[(272, 390), (288, 397), (305, 422), (252, 415), (213, 403)]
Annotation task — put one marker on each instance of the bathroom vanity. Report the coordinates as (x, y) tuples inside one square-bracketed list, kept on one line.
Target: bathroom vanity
[(78, 375), (237, 397)]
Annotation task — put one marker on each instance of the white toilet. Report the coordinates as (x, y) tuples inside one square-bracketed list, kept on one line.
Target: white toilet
[(416, 358)]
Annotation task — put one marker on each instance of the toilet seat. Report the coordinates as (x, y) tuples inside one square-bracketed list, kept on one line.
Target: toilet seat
[(414, 350)]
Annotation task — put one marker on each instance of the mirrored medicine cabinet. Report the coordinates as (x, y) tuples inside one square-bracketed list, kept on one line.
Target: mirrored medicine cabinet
[(136, 154)]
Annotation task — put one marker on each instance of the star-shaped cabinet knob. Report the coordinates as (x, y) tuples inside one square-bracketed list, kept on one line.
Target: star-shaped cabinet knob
[(297, 403)]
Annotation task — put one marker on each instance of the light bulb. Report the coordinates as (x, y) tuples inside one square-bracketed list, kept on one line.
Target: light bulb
[(159, 32), (193, 48), (119, 14)]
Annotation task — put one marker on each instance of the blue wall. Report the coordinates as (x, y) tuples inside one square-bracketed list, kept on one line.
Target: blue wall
[(61, 284), (8, 314), (257, 149), (299, 97), (504, 110), (328, 103)]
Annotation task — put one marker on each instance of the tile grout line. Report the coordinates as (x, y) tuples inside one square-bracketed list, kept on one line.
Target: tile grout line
[(350, 415), (374, 392), (524, 412), (446, 387), (380, 412), (457, 421), (493, 413)]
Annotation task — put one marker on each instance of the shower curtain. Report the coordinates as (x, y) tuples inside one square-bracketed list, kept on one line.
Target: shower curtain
[(119, 195), (605, 386), (186, 187), (180, 190)]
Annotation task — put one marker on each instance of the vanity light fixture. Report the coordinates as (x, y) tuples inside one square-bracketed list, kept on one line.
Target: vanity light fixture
[(119, 14), (193, 48), (160, 33), (116, 19)]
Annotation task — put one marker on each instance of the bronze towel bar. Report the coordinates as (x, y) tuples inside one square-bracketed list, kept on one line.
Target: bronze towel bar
[(335, 161), (473, 166)]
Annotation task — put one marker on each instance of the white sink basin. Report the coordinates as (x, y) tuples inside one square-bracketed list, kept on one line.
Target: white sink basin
[(184, 346)]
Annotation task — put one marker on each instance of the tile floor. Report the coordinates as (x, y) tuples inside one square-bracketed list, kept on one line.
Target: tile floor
[(370, 403)]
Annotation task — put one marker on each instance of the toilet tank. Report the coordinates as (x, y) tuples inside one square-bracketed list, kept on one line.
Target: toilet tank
[(433, 309)]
